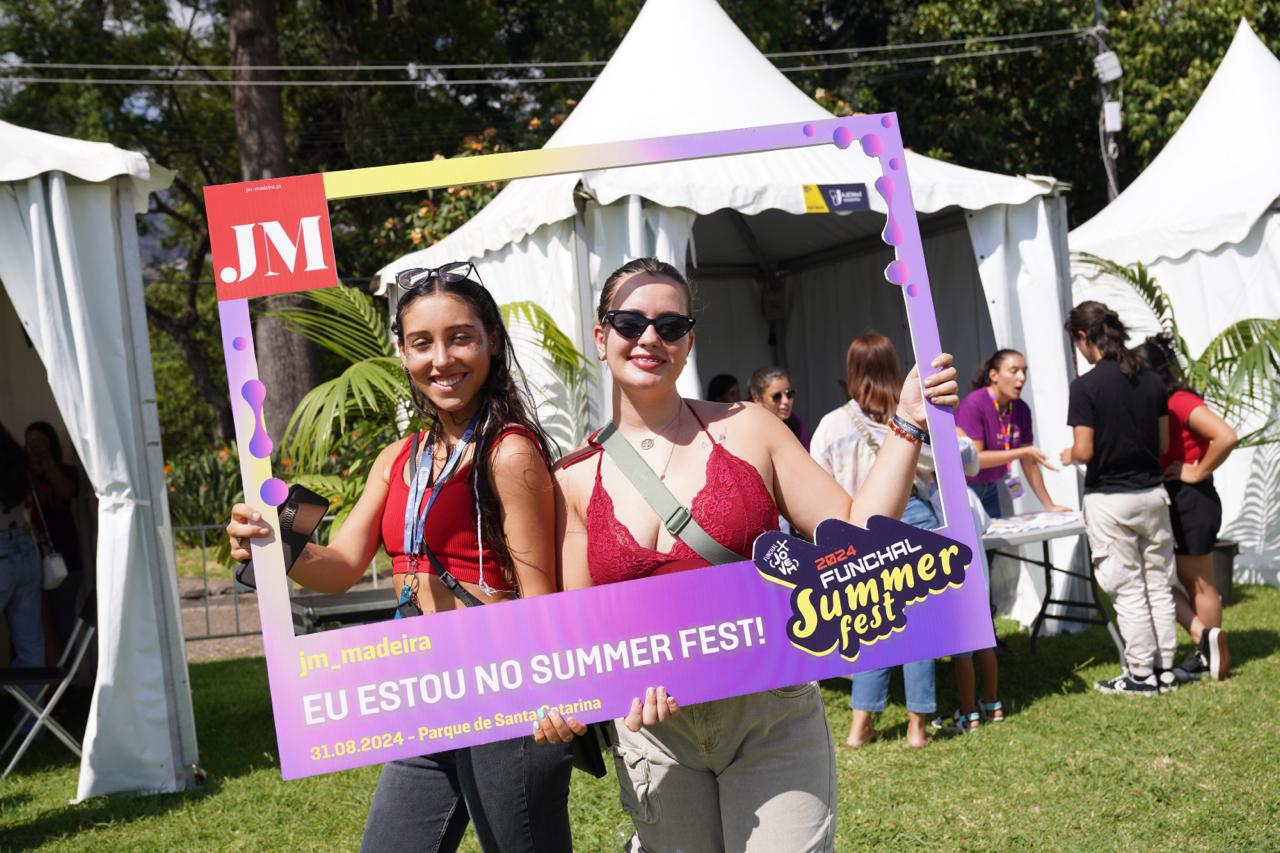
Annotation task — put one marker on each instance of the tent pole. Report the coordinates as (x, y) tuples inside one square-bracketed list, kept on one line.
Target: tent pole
[(596, 412)]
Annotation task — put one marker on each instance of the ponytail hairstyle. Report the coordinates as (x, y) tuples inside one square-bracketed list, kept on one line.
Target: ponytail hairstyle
[(1103, 329), (1157, 354), (873, 375), (504, 399), (14, 483), (760, 379), (982, 378)]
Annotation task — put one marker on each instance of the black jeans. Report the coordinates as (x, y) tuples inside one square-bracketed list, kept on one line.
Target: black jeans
[(516, 793)]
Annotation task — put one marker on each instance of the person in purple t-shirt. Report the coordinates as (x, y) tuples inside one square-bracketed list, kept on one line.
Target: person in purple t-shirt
[(996, 420), (999, 423)]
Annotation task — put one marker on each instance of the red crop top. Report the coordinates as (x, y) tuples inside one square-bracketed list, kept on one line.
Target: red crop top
[(450, 529), (1184, 445), (733, 507)]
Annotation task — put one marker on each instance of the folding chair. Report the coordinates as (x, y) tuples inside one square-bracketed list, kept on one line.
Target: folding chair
[(50, 678)]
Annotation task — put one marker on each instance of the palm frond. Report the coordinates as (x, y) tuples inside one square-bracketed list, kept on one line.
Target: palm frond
[(372, 387), (529, 320), (1238, 373), (1247, 356), (343, 320), (1143, 284)]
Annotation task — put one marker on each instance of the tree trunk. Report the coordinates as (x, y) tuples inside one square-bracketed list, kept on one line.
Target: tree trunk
[(287, 364)]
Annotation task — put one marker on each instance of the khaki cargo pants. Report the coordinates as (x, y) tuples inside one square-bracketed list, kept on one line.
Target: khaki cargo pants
[(753, 773), (1132, 543)]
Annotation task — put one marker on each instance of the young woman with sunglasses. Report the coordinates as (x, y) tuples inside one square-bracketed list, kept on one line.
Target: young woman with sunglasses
[(771, 387), (479, 496), (754, 772)]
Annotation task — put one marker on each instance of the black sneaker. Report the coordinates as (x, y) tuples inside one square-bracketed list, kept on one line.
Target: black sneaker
[(1167, 680), (1128, 685), (1193, 666), (1213, 651)]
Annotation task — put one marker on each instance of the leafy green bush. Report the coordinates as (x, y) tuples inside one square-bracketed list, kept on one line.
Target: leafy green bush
[(202, 487)]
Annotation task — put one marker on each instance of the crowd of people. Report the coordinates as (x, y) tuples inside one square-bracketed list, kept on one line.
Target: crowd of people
[(37, 488), (473, 512)]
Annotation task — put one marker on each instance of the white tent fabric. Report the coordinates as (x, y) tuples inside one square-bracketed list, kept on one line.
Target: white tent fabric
[(684, 67), (69, 263), (1204, 218)]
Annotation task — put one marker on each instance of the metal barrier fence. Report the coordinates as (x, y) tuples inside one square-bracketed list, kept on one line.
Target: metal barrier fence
[(213, 612)]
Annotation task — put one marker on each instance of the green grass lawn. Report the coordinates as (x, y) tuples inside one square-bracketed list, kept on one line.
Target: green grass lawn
[(1070, 769)]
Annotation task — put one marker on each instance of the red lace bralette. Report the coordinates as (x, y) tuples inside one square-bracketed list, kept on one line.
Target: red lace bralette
[(733, 507)]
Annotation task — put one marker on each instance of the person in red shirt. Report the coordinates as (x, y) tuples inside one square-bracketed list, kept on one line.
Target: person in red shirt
[(753, 772), (1199, 442), (484, 456)]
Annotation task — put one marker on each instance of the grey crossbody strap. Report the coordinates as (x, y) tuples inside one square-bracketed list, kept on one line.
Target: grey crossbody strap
[(675, 517)]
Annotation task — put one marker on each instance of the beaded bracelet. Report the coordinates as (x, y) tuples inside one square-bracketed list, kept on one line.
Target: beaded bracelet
[(908, 430)]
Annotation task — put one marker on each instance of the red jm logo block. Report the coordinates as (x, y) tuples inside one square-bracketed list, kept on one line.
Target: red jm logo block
[(270, 236)]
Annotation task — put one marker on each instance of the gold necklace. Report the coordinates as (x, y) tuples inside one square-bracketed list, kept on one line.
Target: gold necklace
[(671, 453)]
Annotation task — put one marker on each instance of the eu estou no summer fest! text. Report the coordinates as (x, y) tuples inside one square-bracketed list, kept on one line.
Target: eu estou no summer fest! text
[(428, 695)]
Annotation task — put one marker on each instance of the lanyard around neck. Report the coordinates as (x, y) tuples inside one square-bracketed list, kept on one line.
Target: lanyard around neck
[(415, 522), (1004, 420)]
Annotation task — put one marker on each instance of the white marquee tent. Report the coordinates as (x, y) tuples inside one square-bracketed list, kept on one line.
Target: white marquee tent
[(70, 266), (775, 285), (1204, 217)]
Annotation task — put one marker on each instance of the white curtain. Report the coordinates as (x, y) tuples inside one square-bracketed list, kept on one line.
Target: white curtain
[(69, 263), (1023, 265)]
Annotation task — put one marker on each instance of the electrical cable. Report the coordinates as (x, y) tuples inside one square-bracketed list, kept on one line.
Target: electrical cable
[(513, 81), (474, 66)]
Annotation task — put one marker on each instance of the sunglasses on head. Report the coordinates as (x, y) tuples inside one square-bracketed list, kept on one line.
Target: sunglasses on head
[(631, 325), (777, 396), (448, 274)]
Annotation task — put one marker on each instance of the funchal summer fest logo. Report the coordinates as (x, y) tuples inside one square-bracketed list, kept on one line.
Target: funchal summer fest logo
[(369, 693), (851, 587)]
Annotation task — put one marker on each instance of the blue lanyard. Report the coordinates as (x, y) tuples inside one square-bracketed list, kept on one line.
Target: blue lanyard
[(415, 523)]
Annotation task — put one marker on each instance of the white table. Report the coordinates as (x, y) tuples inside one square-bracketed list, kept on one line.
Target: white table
[(1042, 527)]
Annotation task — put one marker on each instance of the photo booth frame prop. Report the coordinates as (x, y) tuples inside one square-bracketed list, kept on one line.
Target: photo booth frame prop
[(372, 693)]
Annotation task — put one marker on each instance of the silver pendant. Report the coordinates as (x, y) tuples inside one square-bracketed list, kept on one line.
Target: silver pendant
[(647, 444)]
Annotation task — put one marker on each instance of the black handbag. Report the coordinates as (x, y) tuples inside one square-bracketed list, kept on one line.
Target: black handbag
[(589, 749)]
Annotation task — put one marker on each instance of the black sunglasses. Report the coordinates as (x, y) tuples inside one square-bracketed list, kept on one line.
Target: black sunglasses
[(631, 325), (448, 274), (777, 396)]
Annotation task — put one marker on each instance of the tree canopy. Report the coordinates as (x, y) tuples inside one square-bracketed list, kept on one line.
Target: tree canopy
[(973, 100)]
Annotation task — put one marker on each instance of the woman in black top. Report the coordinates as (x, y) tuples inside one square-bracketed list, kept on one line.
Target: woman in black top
[(1118, 412)]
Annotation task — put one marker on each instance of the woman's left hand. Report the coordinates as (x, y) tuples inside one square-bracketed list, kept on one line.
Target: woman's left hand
[(940, 388), (656, 707)]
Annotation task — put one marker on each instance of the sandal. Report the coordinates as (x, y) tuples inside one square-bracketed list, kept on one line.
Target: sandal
[(959, 723), (992, 712)]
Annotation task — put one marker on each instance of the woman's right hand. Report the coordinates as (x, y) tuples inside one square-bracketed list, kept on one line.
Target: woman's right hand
[(1034, 454), (246, 523)]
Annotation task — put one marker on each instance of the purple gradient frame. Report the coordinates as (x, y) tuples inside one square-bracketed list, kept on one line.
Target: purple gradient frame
[(516, 632)]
